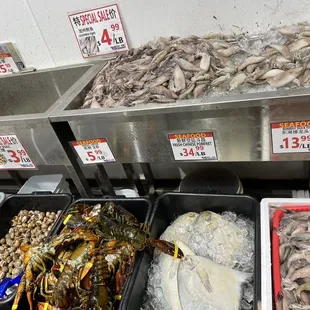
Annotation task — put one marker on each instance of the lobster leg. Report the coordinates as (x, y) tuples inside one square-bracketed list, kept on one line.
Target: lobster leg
[(29, 279), (86, 269), (19, 292)]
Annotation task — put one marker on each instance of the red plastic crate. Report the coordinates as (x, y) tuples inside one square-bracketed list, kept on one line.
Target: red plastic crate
[(277, 288)]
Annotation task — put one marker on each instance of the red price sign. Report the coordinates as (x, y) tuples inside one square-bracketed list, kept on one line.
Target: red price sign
[(193, 146), (13, 155), (93, 151), (99, 31), (7, 64), (291, 137)]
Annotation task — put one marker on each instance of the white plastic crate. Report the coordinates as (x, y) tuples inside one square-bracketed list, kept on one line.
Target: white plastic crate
[(266, 268)]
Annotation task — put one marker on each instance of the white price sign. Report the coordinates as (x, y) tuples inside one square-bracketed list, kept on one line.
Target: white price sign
[(99, 31), (93, 151), (193, 146), (291, 137), (13, 156), (7, 64)]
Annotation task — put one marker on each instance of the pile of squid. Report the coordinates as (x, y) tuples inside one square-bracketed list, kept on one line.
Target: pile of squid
[(87, 264), (294, 233), (171, 69)]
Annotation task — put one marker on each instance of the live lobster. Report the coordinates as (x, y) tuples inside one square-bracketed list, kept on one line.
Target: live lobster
[(86, 266)]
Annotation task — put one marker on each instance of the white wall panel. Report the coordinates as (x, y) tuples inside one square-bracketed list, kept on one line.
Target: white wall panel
[(18, 25), (143, 19)]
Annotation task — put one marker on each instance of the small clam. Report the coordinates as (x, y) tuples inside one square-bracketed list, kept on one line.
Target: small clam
[(3, 263), (18, 263), (16, 256), (24, 219), (2, 275), (15, 272), (16, 244)]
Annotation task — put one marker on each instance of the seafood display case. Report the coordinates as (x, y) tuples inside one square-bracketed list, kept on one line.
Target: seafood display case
[(170, 206), (234, 86), (240, 124), (138, 209), (11, 207), (269, 255), (27, 100)]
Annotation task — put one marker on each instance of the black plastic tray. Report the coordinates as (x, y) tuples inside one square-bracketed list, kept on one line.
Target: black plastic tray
[(11, 207), (171, 205), (141, 208)]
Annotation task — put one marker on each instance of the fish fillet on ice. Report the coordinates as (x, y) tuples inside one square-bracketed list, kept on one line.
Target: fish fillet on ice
[(169, 267), (205, 285), (180, 229)]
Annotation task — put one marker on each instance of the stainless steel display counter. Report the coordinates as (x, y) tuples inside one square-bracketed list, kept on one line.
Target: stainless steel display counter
[(26, 101), (241, 124)]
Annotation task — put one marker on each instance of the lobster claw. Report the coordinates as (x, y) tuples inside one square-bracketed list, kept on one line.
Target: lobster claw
[(167, 247)]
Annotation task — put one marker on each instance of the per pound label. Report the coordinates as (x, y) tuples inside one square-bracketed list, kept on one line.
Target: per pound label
[(99, 31), (93, 151), (13, 156), (193, 146), (291, 137)]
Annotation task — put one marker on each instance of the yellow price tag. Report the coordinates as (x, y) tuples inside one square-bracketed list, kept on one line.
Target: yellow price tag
[(118, 297), (176, 251), (61, 267), (87, 218), (67, 219), (45, 306)]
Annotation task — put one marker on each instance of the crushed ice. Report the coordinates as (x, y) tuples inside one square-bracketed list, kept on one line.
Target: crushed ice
[(198, 232)]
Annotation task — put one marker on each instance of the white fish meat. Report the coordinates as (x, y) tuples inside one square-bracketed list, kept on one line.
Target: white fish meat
[(205, 62), (229, 51), (199, 90), (180, 228), (178, 79), (220, 80), (299, 44), (237, 80), (270, 74), (169, 282), (282, 49), (219, 44), (185, 65), (290, 30), (282, 59), (285, 78), (250, 61), (95, 104), (203, 284)]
